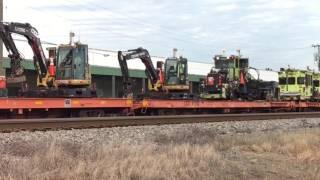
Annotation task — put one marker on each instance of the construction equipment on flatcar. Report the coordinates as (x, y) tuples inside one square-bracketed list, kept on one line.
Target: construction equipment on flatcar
[(66, 74), (214, 85), (259, 89), (153, 74), (176, 74), (72, 73), (170, 81), (17, 70), (230, 80), (316, 85), (296, 84)]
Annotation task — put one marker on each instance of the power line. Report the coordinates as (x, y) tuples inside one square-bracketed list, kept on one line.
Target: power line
[(92, 6), (94, 49), (115, 51), (102, 29)]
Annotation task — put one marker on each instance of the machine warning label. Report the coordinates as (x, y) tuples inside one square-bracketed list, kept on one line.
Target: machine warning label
[(67, 103)]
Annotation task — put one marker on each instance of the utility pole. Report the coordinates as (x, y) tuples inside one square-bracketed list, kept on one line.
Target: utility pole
[(2, 70), (317, 55)]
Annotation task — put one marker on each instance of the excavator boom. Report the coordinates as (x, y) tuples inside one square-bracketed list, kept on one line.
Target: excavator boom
[(142, 54), (31, 34), (65, 74)]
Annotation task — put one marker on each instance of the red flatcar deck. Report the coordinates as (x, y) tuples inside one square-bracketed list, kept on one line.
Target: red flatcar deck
[(63, 107), (35, 107), (206, 104), (61, 103)]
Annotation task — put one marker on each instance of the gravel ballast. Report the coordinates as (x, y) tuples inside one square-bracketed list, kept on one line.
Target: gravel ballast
[(141, 134)]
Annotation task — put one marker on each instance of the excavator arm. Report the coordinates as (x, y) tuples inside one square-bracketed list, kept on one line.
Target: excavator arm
[(31, 34), (142, 54)]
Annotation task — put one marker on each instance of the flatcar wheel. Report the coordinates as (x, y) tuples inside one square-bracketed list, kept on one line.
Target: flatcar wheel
[(91, 113)]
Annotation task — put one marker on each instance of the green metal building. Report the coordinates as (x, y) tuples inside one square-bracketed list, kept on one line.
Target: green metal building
[(108, 80)]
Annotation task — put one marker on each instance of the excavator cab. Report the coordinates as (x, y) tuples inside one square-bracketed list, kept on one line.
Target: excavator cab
[(176, 74), (176, 71), (72, 66)]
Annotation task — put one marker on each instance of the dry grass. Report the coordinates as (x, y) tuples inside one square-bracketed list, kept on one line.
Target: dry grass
[(197, 154), (58, 161)]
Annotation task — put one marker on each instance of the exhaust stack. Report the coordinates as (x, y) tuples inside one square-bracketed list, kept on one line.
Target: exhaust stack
[(71, 36), (175, 50)]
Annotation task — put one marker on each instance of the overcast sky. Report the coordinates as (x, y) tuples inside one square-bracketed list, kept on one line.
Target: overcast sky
[(272, 33)]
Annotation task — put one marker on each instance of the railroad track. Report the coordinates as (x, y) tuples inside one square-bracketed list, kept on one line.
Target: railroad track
[(11, 125)]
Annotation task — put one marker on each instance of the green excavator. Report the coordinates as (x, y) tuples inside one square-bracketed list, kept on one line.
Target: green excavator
[(167, 80)]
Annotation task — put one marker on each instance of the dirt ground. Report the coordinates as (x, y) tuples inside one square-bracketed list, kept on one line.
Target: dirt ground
[(192, 154)]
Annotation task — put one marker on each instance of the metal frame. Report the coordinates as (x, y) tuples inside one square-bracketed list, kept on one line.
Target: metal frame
[(63, 103), (21, 105), (207, 104)]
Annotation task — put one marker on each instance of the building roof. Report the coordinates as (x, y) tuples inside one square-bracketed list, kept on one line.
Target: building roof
[(104, 62), (265, 75), (110, 59), (99, 70)]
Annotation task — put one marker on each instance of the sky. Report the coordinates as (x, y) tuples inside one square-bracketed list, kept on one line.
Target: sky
[(272, 33)]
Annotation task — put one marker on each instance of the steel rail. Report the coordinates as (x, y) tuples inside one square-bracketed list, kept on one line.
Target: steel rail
[(10, 125)]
